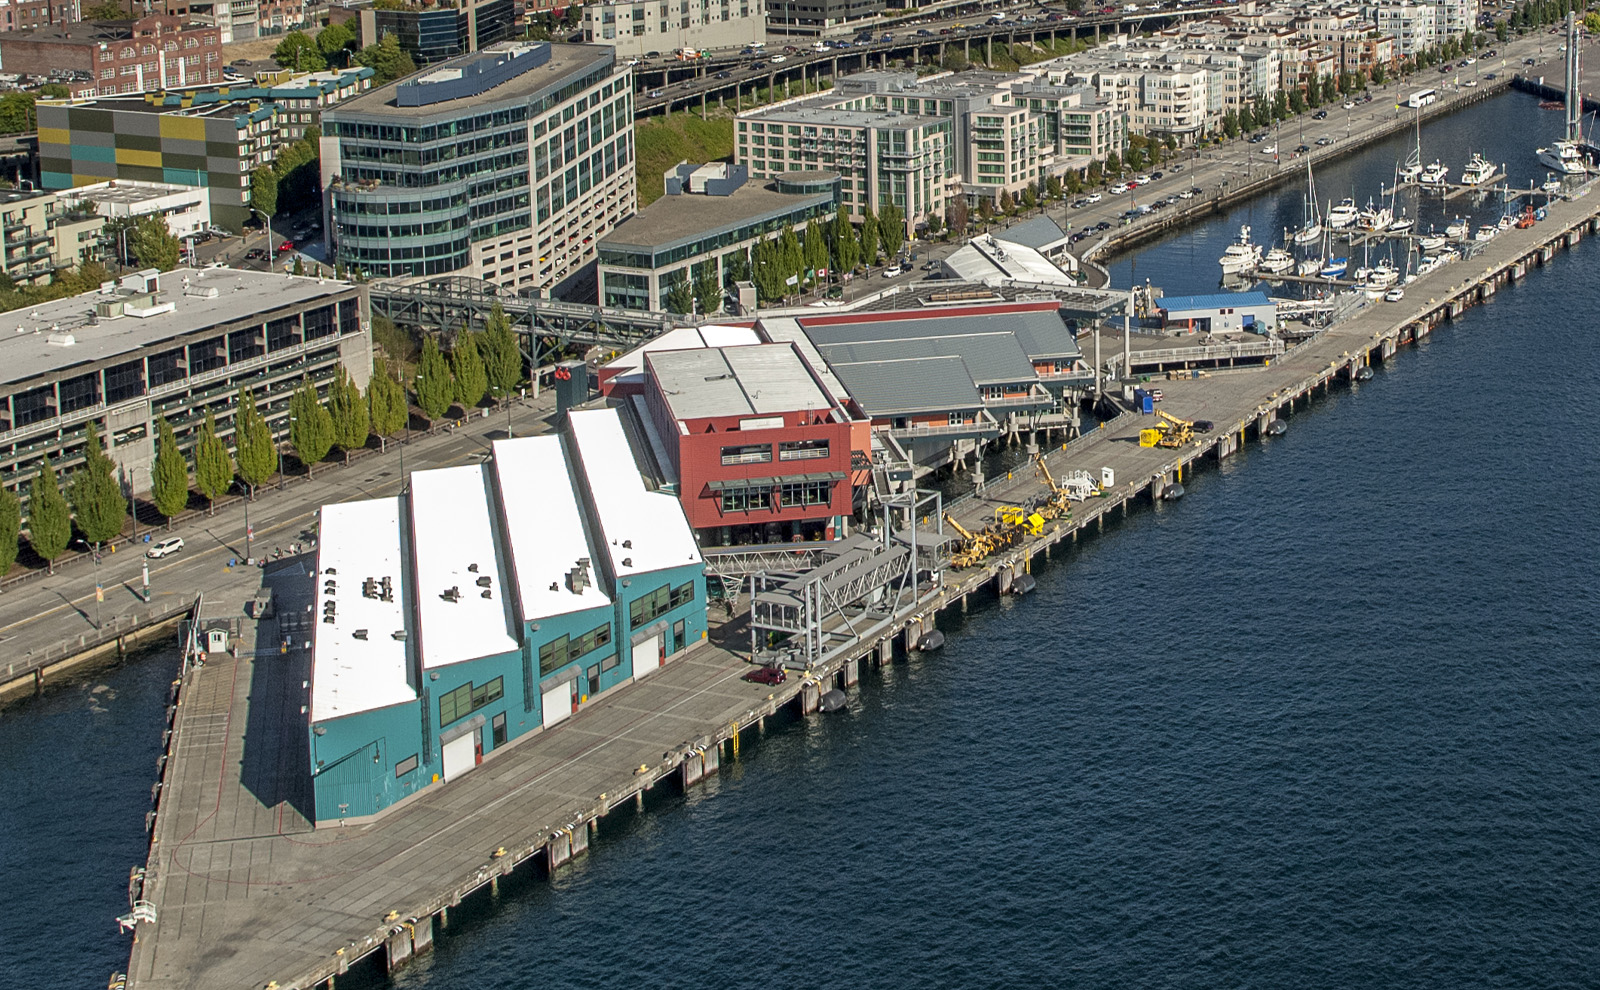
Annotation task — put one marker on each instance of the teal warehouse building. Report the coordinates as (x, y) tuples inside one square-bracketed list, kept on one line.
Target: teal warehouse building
[(486, 603)]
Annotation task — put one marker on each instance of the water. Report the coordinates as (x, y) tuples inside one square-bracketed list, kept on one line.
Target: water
[(1330, 721), (1506, 130)]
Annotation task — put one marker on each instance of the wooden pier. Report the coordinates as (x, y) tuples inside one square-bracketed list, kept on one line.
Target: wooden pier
[(240, 892)]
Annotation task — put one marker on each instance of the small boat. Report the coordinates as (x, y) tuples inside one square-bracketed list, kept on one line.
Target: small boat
[(1550, 187), (1478, 171), (1401, 224), (1457, 229), (1412, 169), (1505, 222), (1311, 228), (1552, 105), (1428, 266), (1242, 256), (1434, 175), (1276, 262), (1382, 276), (1308, 267), (1374, 217), (1448, 255), (1343, 215), (1430, 241), (1334, 268), (1486, 232)]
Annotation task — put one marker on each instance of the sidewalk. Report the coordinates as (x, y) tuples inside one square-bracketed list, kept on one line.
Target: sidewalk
[(46, 614)]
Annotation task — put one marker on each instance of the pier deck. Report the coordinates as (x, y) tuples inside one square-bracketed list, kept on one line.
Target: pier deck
[(246, 892)]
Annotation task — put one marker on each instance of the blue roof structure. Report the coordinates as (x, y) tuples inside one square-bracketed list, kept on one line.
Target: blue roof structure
[(1219, 300)]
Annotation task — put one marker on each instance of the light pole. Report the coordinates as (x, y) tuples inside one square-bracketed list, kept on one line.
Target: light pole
[(99, 589)]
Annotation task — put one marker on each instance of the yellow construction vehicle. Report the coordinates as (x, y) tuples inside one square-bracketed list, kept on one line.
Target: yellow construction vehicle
[(974, 547), (1013, 519), (1171, 432), (1058, 505)]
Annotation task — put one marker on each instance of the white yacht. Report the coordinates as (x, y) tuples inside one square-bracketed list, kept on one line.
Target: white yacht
[(1486, 232), (1430, 241), (1241, 257), (1277, 261), (1566, 155), (1374, 217), (1382, 276), (1458, 229), (1478, 171), (1308, 267), (1401, 224), (1435, 175), (1343, 215)]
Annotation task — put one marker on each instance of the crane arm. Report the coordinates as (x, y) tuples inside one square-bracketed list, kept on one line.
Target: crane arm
[(962, 530), (1175, 421), (1044, 469)]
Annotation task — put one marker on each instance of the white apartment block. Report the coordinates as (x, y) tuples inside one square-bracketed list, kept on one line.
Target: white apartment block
[(641, 26)]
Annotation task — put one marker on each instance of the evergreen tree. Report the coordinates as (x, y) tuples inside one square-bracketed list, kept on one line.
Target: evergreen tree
[(213, 466), (1029, 198), (502, 361), (49, 519), (1052, 187), (1113, 164), (96, 495), (169, 476), (348, 409), (790, 256), (153, 245), (1007, 204), (768, 275), (10, 529), (466, 367), (707, 293), (254, 451), (846, 249), (869, 237), (891, 229), (311, 429), (680, 297), (934, 224), (387, 60), (433, 387), (298, 52), (735, 268), (386, 403), (816, 247)]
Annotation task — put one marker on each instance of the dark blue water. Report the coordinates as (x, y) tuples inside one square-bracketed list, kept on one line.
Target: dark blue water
[(1330, 721), (1506, 130)]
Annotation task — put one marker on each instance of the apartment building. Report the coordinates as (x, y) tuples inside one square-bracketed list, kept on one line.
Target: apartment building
[(214, 145), (507, 165), (634, 27), (129, 56), (41, 234), (435, 32)]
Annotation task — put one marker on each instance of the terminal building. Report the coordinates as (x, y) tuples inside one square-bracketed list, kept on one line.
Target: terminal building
[(170, 345), (710, 214), (506, 165), (488, 602)]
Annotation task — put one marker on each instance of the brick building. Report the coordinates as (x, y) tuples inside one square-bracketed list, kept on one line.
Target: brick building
[(132, 56), (22, 15)]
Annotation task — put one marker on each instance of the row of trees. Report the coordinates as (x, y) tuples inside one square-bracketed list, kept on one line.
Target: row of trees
[(335, 45)]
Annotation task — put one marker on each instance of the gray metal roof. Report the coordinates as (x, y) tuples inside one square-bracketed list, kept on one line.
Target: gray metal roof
[(1041, 335), (991, 359), (1035, 233), (752, 380), (911, 385)]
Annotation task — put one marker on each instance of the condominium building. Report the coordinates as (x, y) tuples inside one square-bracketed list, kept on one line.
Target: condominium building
[(508, 165), (299, 96), (813, 17), (214, 145), (40, 234), (710, 214), (1415, 26), (634, 27)]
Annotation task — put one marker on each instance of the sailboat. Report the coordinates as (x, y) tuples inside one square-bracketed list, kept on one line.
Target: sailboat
[(1374, 217), (1411, 170), (1566, 155), (1311, 230)]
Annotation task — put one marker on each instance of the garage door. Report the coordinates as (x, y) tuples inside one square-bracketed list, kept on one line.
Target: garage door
[(556, 703), (646, 656), (459, 756)]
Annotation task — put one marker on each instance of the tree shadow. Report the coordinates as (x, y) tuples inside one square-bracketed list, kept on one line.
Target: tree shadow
[(276, 763)]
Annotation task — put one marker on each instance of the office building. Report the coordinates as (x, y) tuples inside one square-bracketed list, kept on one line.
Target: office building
[(170, 345), (508, 165), (433, 33), (185, 209), (710, 214)]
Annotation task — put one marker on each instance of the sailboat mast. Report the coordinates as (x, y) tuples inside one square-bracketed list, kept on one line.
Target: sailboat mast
[(1574, 96)]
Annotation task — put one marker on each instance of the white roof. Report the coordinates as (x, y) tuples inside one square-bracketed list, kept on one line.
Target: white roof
[(652, 523), (455, 547), (682, 339), (997, 261), (545, 528), (360, 540)]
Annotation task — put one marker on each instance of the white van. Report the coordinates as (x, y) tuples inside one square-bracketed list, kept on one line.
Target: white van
[(164, 548)]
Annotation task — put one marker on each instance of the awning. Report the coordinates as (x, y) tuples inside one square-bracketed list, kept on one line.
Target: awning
[(723, 484)]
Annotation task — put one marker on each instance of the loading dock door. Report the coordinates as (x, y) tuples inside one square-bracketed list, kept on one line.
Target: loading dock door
[(556, 703), (646, 656), (460, 755)]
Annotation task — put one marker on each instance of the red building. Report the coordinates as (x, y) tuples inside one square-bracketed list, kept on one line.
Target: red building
[(761, 452), (134, 56)]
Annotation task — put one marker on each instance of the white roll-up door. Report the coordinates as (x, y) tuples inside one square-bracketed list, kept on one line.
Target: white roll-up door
[(460, 755), (556, 703), (646, 656)]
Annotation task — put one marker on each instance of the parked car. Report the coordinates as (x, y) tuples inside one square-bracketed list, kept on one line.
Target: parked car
[(893, 271), (656, 94), (164, 548), (1120, 188), (255, 254), (1320, 115), (769, 673), (1324, 141), (1155, 395), (285, 247), (1093, 198)]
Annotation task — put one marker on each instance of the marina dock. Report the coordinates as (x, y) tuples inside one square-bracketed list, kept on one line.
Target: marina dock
[(240, 891)]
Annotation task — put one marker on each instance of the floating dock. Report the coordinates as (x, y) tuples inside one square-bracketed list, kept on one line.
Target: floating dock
[(240, 892)]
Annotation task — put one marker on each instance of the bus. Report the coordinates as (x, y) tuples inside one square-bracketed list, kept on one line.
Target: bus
[(1421, 98)]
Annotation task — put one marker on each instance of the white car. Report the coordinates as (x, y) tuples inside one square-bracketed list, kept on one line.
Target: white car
[(635, 61), (164, 548), (893, 271), (1143, 180), (779, 58), (1270, 149), (1094, 198), (1394, 295), (1349, 104), (1120, 188)]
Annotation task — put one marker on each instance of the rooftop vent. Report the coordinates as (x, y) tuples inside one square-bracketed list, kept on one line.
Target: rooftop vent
[(398, 634), (487, 593), (627, 544), (451, 595), (59, 339), (627, 562), (360, 634), (473, 568), (555, 585)]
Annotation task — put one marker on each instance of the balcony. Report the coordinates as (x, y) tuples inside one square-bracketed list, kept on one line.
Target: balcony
[(984, 426)]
